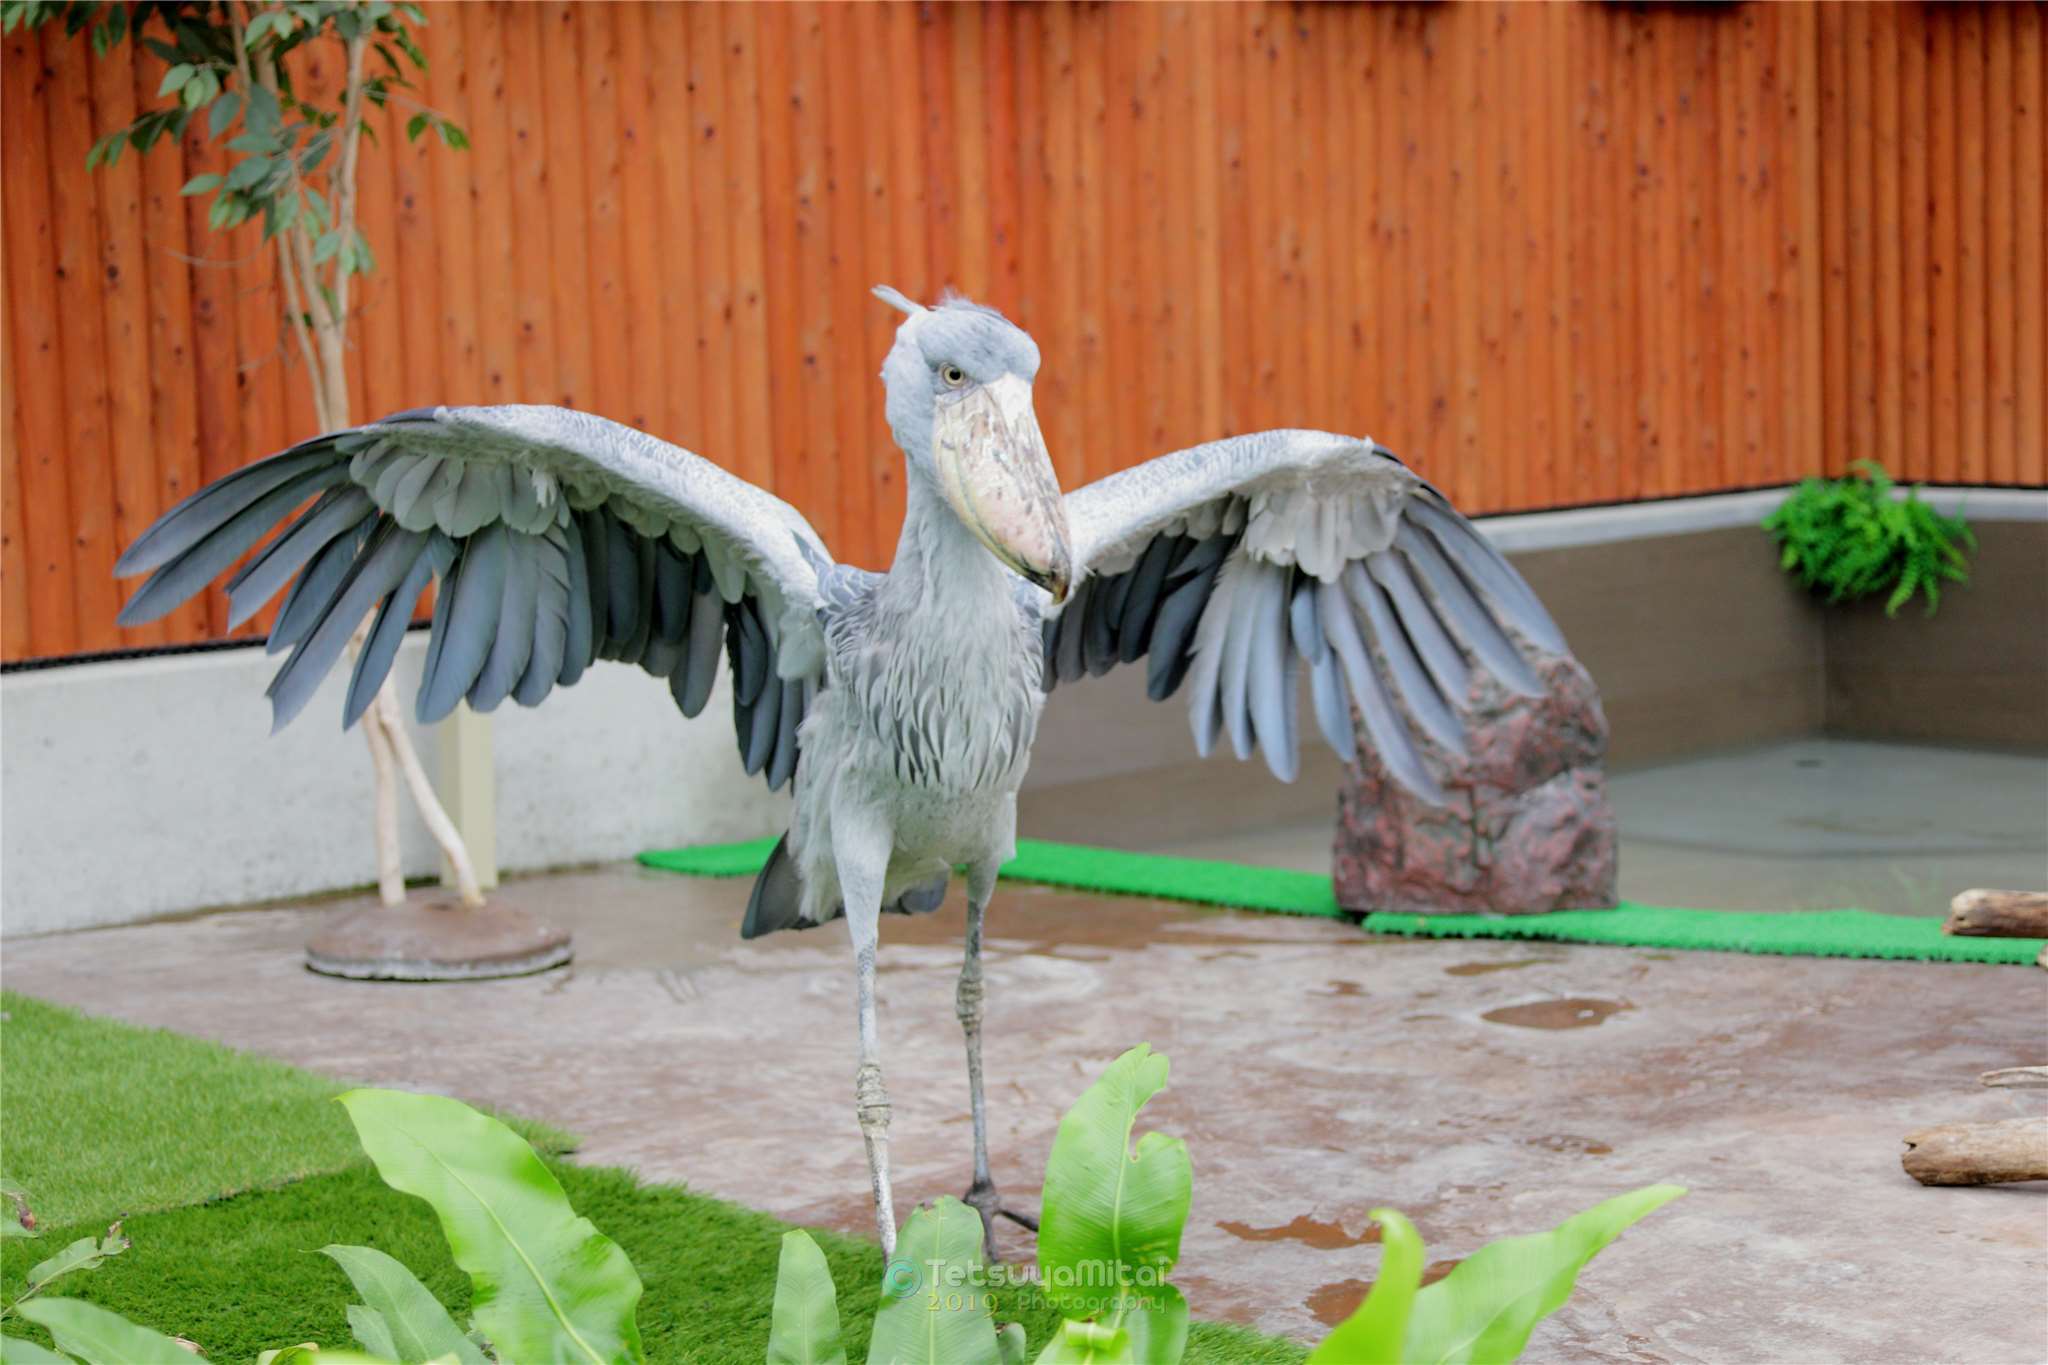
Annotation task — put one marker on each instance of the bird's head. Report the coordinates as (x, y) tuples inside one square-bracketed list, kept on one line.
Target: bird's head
[(959, 401)]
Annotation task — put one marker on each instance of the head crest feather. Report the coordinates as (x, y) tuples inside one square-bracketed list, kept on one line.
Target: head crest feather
[(895, 299)]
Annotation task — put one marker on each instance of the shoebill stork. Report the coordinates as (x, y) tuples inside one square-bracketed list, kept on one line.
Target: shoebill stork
[(902, 705)]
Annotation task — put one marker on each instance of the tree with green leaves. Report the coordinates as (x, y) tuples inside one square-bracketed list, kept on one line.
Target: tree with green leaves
[(230, 71)]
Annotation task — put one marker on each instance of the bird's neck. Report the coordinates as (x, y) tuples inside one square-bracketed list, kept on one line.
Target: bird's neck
[(941, 563)]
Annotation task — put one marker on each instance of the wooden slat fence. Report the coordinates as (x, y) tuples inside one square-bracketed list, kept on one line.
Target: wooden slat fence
[(1555, 254)]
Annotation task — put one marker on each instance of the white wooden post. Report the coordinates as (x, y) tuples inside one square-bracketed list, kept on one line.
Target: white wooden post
[(469, 790)]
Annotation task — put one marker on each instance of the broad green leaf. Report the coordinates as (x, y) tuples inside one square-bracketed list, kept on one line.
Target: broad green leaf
[(804, 1329), (1089, 1343), (416, 125), (310, 1353), (1010, 1345), (1112, 1217), (417, 1326), (21, 1351), (99, 1337), (223, 113), (175, 78), (548, 1285), (1156, 1317), (935, 1302), (1483, 1310), (11, 1227), (84, 1254), (372, 1333), (201, 183), (1373, 1334)]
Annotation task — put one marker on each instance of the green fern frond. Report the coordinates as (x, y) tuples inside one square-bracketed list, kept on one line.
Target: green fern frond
[(1851, 538)]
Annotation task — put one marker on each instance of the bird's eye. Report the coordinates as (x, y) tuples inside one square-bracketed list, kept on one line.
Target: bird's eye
[(953, 375)]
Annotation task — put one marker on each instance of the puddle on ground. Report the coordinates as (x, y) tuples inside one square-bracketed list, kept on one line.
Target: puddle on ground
[(1574, 1011), (1320, 1235), (1482, 968), (1342, 988), (1335, 1302), (1570, 1142)]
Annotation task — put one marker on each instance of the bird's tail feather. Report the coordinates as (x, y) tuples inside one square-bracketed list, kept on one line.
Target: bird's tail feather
[(777, 899)]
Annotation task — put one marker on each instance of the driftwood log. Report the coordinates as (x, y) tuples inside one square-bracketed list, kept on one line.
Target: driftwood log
[(1992, 1153), (1999, 914), (2011, 1076)]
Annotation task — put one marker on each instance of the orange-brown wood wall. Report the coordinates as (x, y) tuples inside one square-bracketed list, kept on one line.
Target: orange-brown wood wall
[(1554, 254)]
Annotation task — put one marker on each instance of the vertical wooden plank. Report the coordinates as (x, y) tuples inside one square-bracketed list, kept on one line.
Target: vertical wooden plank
[(530, 184), (1944, 458), (1171, 113), (829, 494), (1154, 332), (378, 297), (677, 311), (647, 53), (1887, 228), (1837, 359), (451, 178), (1234, 185), (1973, 460), (846, 139), (81, 331), (1915, 230), (2030, 237), (36, 348), (1506, 412), (999, 153), (706, 275), (1666, 293), (1052, 272), (907, 245), (1804, 82), (1589, 258), (1210, 263), (754, 437), (939, 152), (967, 135), (563, 175), (1125, 355), (2002, 261), (15, 633), (1700, 305), (417, 266), (613, 307), (1467, 46), (778, 94)]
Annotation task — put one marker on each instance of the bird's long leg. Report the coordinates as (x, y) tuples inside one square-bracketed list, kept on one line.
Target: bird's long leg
[(967, 1002), (862, 867)]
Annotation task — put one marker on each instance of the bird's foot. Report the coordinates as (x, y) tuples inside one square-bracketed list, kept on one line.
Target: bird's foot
[(983, 1199)]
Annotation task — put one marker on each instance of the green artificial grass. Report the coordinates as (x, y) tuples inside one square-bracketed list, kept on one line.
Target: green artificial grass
[(104, 1119), (239, 1276), (231, 1171), (1801, 933)]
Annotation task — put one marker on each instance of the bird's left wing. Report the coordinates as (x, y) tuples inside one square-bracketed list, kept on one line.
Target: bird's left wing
[(1236, 565), (558, 538)]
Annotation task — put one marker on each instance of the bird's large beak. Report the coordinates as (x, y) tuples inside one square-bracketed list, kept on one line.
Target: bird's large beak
[(993, 469)]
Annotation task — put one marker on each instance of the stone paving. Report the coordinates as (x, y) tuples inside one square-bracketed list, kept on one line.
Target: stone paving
[(1484, 1088)]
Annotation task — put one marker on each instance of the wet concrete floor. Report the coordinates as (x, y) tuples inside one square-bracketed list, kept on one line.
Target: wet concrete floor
[(1483, 1088)]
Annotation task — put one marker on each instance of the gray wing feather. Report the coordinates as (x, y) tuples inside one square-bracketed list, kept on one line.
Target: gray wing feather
[(475, 595), (381, 647), (386, 559), (312, 590), (1467, 615), (1331, 535), (560, 538), (512, 634), (1416, 687), (204, 560), (206, 511), (338, 510)]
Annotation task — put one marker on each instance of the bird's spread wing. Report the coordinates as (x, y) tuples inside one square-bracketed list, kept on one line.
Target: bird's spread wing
[(1234, 566), (557, 538)]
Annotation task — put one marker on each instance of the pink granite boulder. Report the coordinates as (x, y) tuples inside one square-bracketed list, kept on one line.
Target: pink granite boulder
[(1528, 828)]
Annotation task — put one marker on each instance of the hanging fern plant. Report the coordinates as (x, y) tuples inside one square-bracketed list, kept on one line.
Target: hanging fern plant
[(1851, 538)]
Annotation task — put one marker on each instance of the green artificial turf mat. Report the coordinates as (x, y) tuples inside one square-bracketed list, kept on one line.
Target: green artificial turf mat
[(105, 1119), (1791, 933), (238, 1276)]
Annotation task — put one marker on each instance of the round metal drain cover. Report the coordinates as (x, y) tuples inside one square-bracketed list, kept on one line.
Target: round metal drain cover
[(440, 940)]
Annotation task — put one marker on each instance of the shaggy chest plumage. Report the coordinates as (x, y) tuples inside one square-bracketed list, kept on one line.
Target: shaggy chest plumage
[(942, 682)]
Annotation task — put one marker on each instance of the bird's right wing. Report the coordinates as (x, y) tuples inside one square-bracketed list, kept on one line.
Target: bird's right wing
[(558, 538)]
